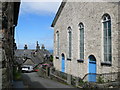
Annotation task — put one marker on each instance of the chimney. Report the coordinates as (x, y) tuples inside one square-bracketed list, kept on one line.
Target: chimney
[(37, 46), (25, 47), (43, 47)]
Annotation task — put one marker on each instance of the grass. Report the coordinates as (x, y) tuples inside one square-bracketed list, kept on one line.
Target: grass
[(17, 74)]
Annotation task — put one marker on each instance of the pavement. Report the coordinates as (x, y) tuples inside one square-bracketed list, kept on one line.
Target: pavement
[(18, 84), (34, 81)]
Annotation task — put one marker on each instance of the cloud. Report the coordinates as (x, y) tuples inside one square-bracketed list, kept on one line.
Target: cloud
[(41, 0), (39, 7)]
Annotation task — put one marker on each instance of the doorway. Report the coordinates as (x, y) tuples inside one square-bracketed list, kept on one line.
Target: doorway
[(63, 63), (92, 68)]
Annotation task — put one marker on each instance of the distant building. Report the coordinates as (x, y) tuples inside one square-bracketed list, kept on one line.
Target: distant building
[(26, 56), (86, 38)]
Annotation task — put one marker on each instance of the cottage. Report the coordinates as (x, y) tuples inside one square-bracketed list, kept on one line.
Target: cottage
[(86, 38)]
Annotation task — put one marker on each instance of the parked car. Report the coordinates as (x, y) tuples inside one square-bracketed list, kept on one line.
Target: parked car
[(27, 68)]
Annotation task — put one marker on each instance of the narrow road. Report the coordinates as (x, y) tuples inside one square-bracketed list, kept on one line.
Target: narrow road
[(34, 81)]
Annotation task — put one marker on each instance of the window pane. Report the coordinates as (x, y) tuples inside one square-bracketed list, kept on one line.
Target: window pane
[(81, 56), (105, 49), (109, 49), (70, 43), (81, 49), (105, 40), (105, 32), (109, 24), (105, 25), (109, 32), (105, 57), (57, 43), (109, 40), (81, 42), (110, 57)]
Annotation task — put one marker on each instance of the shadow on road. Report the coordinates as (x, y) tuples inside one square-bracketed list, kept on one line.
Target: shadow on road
[(31, 84)]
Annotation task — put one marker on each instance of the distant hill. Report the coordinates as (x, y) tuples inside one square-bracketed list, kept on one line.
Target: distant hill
[(51, 51)]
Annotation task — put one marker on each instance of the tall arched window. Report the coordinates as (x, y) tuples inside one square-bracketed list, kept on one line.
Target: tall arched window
[(57, 38), (69, 42), (107, 38), (81, 42)]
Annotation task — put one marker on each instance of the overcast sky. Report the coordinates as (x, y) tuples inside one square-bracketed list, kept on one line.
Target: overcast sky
[(34, 23)]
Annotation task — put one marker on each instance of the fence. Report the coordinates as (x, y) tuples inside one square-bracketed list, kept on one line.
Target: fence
[(42, 72)]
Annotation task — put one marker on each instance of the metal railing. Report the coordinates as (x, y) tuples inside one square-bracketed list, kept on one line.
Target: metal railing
[(103, 78)]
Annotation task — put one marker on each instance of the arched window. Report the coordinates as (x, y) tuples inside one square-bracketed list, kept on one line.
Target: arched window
[(69, 42), (81, 42), (107, 38), (57, 38)]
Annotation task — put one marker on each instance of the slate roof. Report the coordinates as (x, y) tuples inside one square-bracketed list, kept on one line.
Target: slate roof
[(22, 53), (38, 58)]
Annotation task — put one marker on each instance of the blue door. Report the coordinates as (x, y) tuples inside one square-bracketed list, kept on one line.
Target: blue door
[(63, 63), (92, 69)]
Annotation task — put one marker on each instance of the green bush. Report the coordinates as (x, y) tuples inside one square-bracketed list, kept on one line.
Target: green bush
[(51, 58), (100, 79), (81, 82), (16, 74)]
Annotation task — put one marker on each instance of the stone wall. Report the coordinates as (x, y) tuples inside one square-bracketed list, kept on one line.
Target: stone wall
[(90, 14), (8, 24), (119, 39), (0, 45)]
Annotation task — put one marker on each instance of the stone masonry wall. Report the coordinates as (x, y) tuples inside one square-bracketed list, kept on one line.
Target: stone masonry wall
[(0, 46), (119, 39), (6, 44), (119, 34), (90, 14)]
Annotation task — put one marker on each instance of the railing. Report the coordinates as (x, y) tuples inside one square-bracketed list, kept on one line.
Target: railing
[(80, 82), (73, 80), (103, 78)]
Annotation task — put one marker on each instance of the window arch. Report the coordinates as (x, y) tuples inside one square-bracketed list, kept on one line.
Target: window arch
[(69, 42), (81, 42), (107, 37), (57, 38)]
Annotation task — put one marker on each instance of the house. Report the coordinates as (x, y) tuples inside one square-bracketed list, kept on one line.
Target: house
[(31, 56), (86, 38)]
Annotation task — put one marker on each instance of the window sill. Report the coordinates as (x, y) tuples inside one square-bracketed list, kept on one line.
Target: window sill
[(57, 57), (80, 61), (106, 64), (69, 59)]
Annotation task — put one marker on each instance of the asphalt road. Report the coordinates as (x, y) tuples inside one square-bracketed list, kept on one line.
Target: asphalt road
[(34, 81)]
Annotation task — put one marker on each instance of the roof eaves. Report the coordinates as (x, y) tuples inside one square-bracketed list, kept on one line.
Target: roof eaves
[(58, 13)]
